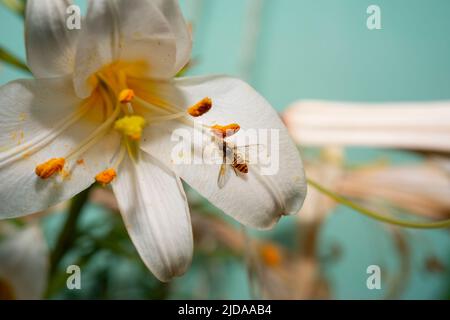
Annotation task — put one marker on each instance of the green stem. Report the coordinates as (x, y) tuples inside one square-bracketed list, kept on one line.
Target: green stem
[(10, 59), (374, 215), (68, 233)]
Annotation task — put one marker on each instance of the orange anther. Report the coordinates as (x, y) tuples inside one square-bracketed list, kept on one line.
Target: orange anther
[(50, 167), (225, 131), (105, 177), (200, 108), (126, 96), (271, 255)]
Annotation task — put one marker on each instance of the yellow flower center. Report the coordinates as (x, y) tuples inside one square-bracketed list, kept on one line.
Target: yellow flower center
[(122, 100)]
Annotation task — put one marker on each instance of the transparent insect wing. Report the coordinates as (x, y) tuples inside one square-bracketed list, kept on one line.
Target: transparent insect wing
[(224, 175), (249, 153)]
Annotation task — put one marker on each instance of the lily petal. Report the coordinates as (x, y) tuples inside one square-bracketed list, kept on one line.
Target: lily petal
[(134, 32), (39, 121), (98, 44), (277, 193), (152, 31), (155, 211), (421, 189), (50, 45), (407, 125), (171, 11), (24, 263)]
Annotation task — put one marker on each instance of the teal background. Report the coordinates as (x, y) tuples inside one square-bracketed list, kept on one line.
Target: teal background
[(321, 49)]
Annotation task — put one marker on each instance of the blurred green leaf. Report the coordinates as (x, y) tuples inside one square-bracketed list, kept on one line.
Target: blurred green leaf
[(17, 6), (10, 59)]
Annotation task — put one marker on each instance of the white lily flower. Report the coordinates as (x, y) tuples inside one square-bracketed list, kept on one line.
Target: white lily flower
[(104, 107), (407, 125), (422, 189), (24, 264)]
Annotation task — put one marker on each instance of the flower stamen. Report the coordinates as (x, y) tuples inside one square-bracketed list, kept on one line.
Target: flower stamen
[(167, 117), (49, 168), (169, 112), (200, 108), (95, 136), (225, 131), (126, 96), (40, 141), (120, 157), (106, 177)]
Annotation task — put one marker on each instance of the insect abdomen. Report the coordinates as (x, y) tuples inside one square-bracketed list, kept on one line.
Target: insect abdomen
[(239, 165)]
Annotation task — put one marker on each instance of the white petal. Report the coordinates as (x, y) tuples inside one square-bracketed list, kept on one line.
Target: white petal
[(409, 125), (171, 11), (24, 263), (154, 208), (259, 200), (126, 31), (98, 43), (37, 113), (50, 44), (146, 35)]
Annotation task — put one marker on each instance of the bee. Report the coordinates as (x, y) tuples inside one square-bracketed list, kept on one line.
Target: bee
[(239, 164), (231, 157)]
